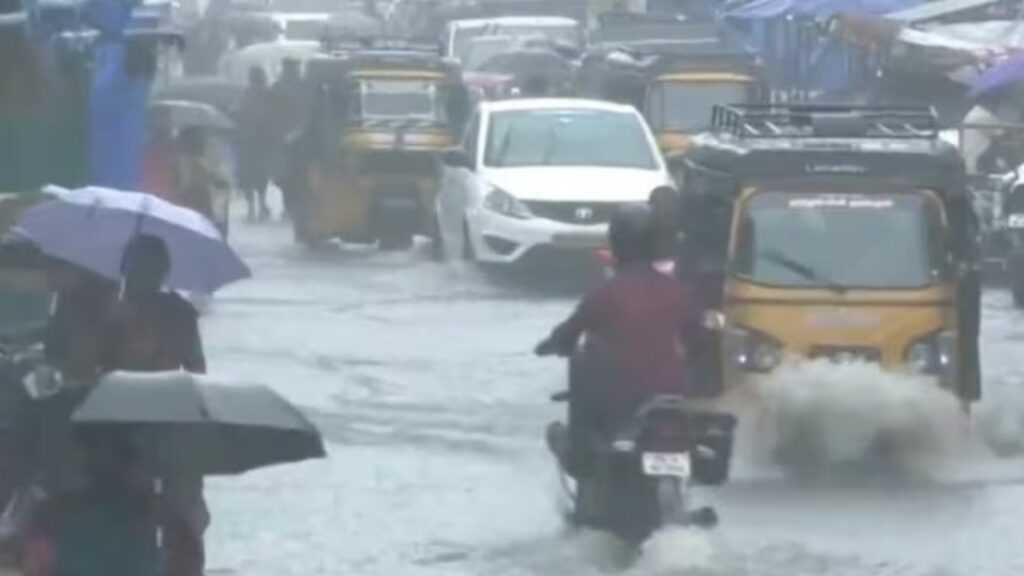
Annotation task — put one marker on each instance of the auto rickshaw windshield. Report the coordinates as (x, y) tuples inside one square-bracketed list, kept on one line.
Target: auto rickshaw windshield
[(400, 99), (876, 241)]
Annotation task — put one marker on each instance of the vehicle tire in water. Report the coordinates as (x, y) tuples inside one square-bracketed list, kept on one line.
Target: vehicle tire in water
[(437, 247), (392, 238), (1017, 290), (468, 252), (633, 511)]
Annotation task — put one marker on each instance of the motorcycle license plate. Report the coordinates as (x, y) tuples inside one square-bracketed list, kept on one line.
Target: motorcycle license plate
[(1015, 221), (667, 464)]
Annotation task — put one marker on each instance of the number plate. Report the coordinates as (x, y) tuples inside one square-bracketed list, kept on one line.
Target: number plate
[(667, 464), (581, 240), (1015, 221)]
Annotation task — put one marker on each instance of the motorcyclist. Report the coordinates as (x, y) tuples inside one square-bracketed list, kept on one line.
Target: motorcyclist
[(637, 325)]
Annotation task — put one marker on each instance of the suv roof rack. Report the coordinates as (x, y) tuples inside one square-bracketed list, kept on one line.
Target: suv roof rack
[(825, 121)]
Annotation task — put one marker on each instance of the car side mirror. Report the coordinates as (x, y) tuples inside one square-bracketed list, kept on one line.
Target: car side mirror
[(456, 158)]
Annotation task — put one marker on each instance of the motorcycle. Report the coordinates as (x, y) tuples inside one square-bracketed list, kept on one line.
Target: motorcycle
[(25, 379), (639, 474)]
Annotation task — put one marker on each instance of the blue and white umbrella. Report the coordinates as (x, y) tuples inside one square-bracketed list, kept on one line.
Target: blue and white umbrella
[(91, 227)]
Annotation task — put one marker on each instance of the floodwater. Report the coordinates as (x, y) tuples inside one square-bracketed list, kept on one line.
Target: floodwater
[(421, 378)]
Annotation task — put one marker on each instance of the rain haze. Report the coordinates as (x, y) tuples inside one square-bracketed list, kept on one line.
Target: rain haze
[(511, 287)]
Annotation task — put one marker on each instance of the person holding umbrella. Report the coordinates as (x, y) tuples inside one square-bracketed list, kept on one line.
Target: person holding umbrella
[(153, 330), (152, 247)]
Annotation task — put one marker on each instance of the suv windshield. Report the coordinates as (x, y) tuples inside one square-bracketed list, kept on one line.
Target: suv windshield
[(687, 105), (568, 137), (840, 241)]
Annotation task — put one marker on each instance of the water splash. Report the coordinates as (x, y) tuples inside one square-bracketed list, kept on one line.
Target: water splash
[(677, 551), (819, 414)]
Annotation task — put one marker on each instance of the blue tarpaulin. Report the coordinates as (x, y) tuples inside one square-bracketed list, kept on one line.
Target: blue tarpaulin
[(799, 51), (765, 9), (118, 118), (118, 109)]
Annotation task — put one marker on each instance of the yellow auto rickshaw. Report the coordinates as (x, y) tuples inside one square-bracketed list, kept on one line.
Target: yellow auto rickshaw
[(835, 233), (672, 71), (367, 163)]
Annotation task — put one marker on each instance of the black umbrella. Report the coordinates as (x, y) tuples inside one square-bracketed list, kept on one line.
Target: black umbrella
[(213, 90), (184, 113), (187, 425)]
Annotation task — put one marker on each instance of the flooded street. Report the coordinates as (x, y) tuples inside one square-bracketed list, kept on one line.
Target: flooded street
[(421, 378)]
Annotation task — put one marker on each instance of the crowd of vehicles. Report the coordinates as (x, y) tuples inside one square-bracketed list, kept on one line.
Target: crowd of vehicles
[(839, 233)]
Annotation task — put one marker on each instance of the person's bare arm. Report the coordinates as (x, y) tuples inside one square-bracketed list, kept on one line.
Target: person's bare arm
[(565, 336)]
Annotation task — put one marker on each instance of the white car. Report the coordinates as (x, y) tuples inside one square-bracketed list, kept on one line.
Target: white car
[(543, 174)]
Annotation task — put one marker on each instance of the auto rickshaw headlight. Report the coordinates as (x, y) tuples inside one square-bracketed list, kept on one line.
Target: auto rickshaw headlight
[(753, 351), (501, 202), (933, 354), (921, 356)]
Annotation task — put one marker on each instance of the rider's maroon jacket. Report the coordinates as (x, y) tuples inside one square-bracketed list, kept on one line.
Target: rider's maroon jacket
[(643, 318)]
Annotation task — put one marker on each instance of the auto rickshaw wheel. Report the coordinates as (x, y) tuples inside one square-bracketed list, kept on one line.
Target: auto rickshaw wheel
[(468, 252), (395, 240), (437, 247), (1017, 290)]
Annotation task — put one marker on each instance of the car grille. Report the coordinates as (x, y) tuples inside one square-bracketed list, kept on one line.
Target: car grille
[(847, 353), (574, 212)]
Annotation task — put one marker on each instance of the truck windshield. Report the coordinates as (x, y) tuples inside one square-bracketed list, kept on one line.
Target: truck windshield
[(840, 241), (686, 106), (462, 38)]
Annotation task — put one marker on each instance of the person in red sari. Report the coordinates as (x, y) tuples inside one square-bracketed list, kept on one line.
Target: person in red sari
[(159, 162)]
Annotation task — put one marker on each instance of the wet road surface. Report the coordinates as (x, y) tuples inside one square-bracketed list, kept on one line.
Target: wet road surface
[(421, 378)]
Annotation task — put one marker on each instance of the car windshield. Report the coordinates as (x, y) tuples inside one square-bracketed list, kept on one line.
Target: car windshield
[(568, 137), (399, 99), (687, 105), (843, 241)]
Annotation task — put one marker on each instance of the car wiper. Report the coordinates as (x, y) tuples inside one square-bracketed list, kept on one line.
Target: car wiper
[(803, 270), (550, 147)]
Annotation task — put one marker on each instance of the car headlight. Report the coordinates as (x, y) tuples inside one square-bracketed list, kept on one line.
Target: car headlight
[(933, 354), (753, 351), (501, 202)]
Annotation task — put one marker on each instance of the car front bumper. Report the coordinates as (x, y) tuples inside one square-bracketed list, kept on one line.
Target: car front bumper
[(500, 239)]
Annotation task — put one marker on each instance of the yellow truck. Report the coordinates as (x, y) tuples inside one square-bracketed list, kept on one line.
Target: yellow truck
[(835, 233)]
